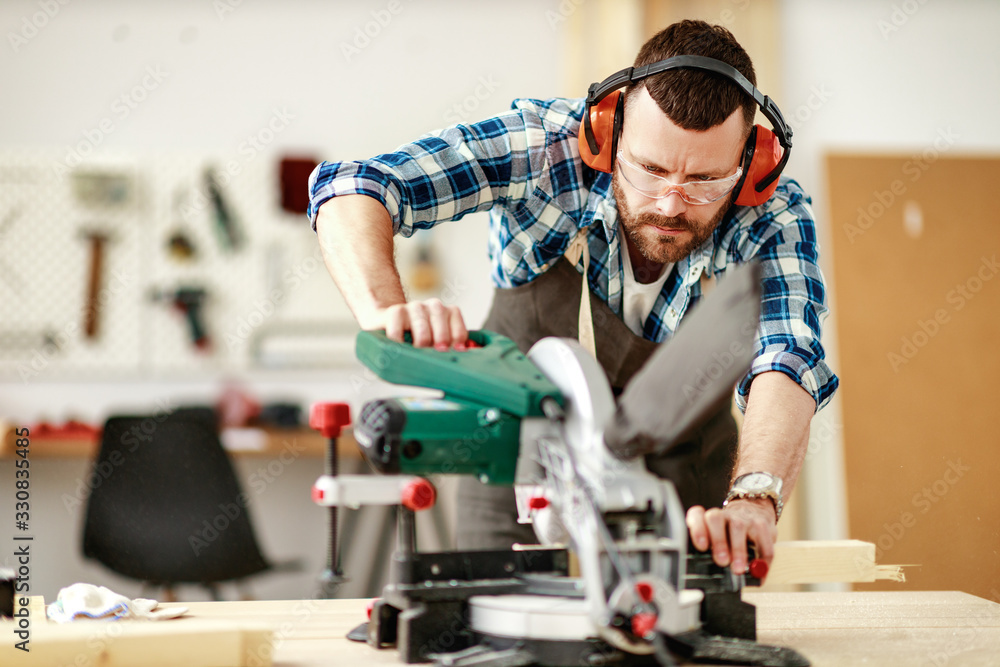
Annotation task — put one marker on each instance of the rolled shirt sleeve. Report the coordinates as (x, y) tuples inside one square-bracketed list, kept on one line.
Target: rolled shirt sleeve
[(793, 303)]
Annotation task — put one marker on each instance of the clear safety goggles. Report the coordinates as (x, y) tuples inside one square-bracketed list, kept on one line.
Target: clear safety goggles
[(693, 192)]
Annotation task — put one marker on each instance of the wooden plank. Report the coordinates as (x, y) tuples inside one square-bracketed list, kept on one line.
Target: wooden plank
[(823, 561), (189, 641)]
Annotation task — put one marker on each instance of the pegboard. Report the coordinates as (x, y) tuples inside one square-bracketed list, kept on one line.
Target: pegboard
[(271, 281)]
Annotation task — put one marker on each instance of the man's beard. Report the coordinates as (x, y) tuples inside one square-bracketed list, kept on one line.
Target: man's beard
[(663, 249)]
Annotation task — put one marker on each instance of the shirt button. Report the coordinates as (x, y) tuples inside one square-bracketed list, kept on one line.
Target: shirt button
[(673, 313)]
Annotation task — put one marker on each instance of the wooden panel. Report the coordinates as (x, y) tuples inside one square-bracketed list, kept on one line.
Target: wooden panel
[(917, 301), (756, 25)]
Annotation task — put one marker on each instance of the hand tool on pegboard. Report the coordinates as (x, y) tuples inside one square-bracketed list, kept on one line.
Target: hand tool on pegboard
[(230, 236), (189, 301), (97, 241), (294, 183)]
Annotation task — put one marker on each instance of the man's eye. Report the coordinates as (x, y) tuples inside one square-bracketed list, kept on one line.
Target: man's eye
[(651, 169)]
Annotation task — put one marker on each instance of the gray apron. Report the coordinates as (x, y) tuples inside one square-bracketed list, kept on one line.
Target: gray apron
[(700, 467)]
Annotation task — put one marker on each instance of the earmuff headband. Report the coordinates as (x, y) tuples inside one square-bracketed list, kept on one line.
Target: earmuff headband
[(629, 75)]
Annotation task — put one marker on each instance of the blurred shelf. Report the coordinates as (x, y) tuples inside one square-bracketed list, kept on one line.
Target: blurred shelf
[(251, 442)]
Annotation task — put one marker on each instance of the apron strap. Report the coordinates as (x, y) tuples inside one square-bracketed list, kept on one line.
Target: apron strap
[(579, 247)]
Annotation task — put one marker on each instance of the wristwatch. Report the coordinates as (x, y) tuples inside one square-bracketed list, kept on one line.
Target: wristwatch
[(758, 485)]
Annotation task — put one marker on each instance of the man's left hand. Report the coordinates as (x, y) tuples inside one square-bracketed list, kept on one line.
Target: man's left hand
[(727, 530)]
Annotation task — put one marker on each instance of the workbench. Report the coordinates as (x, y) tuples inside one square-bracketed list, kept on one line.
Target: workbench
[(831, 629)]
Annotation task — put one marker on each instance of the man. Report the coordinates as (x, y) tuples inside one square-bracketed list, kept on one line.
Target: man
[(658, 225)]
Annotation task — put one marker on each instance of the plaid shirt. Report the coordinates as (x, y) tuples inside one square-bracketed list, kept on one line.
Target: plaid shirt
[(524, 168)]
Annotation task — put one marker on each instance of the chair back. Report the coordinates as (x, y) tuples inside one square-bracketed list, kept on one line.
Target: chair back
[(166, 506)]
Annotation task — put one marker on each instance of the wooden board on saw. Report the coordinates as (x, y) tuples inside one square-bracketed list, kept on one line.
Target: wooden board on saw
[(825, 561)]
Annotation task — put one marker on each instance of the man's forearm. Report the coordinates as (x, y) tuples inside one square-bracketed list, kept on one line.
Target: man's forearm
[(775, 432), (355, 235)]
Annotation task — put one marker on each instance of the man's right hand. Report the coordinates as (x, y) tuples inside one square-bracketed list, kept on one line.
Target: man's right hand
[(430, 323), (356, 237)]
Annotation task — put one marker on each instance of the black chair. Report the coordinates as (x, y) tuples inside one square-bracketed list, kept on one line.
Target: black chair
[(166, 507)]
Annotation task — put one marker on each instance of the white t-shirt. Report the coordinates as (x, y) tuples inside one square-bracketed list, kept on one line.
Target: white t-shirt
[(637, 298)]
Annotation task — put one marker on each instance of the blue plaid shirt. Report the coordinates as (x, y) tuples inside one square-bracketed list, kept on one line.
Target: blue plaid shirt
[(524, 168)]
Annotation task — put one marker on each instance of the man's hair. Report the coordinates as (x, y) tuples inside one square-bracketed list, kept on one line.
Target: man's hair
[(695, 99)]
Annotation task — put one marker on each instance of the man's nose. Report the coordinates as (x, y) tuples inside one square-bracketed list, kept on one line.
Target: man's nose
[(672, 205)]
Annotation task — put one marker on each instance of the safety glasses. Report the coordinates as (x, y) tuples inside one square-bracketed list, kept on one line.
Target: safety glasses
[(693, 192)]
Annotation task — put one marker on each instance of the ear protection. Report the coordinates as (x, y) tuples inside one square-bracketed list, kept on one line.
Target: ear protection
[(764, 154)]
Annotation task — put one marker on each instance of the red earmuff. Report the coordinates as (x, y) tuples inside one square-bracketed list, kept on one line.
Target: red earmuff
[(761, 155), (605, 122)]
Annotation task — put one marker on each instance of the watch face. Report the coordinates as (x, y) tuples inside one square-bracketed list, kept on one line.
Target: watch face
[(755, 481)]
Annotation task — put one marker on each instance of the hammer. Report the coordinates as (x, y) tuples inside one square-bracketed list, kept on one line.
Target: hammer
[(97, 240)]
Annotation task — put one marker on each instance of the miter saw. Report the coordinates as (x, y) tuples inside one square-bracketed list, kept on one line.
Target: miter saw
[(548, 424)]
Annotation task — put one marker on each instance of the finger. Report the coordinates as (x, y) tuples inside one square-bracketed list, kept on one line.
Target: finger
[(695, 520), (738, 543), (396, 322), (459, 333), (763, 534), (420, 325), (715, 521), (440, 324)]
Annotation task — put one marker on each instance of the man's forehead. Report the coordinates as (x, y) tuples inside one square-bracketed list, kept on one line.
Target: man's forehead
[(651, 136)]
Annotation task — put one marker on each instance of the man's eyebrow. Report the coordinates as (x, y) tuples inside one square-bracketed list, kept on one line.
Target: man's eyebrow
[(720, 172)]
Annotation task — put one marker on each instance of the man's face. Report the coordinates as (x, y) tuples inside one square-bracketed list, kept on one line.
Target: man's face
[(669, 229)]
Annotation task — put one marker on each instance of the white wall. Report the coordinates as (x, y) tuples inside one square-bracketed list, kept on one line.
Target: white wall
[(357, 78), (848, 84), (885, 75)]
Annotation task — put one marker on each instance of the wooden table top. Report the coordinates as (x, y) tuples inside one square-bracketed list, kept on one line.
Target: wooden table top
[(831, 629)]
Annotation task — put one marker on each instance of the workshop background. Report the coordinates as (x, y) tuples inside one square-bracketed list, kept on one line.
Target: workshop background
[(151, 176)]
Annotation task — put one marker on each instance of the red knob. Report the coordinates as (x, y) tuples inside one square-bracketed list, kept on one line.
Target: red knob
[(645, 591), (418, 495), (329, 418), (643, 623), (758, 568), (538, 502)]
